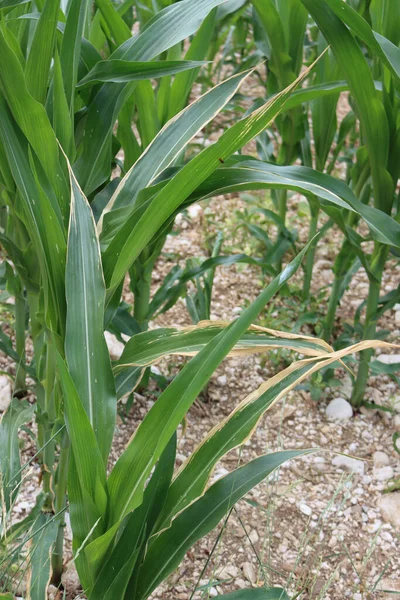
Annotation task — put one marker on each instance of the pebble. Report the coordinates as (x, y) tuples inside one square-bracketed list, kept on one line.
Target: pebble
[(380, 459), (389, 505), (5, 392), (249, 572), (352, 464), (305, 509), (396, 422), (389, 359), (115, 347), (222, 380), (339, 408), (383, 473)]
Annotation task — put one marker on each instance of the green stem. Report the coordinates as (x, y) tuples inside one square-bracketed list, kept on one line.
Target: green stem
[(20, 317), (60, 499), (334, 299), (309, 263), (371, 318), (142, 301)]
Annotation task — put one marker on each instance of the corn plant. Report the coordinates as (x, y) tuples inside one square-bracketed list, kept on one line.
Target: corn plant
[(377, 112), (60, 99)]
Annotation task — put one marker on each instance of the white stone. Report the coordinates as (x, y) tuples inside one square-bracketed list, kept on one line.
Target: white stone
[(389, 505), (397, 316), (305, 509), (380, 459), (396, 307), (253, 536), (115, 347), (339, 408), (352, 464), (249, 572), (194, 211), (222, 380), (383, 473), (5, 392), (389, 359)]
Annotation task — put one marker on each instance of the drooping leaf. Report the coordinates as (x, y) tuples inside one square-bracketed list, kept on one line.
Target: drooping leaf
[(18, 413)]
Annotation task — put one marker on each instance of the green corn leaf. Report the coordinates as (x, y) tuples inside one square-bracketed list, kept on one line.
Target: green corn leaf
[(149, 347), (381, 46), (62, 123), (18, 413), (44, 532), (86, 477), (41, 52), (85, 347), (32, 119), (169, 548), (40, 218), (252, 174), (136, 233), (11, 3), (124, 70), (233, 431), (71, 47), (116, 571), (127, 478), (118, 28), (166, 29), (370, 110), (168, 144), (183, 82)]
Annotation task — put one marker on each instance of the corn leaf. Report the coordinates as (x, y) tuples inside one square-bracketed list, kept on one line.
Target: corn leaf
[(169, 548), (370, 110), (18, 413), (120, 71), (85, 347), (149, 347), (32, 119), (44, 533), (136, 233), (127, 478), (41, 52), (167, 28)]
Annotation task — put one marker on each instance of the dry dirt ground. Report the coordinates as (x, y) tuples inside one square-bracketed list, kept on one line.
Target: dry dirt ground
[(315, 526)]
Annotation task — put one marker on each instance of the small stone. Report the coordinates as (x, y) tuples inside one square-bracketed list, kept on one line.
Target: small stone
[(222, 380), (5, 392), (396, 422), (253, 536), (115, 347), (332, 542), (52, 592), (383, 473), (357, 596), (213, 592), (305, 509), (249, 572), (339, 408), (380, 459), (389, 359), (388, 585), (194, 211), (389, 505), (352, 464), (397, 317)]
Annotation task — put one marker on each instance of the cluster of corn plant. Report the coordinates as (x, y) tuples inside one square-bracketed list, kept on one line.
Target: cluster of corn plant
[(74, 90), (363, 59)]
